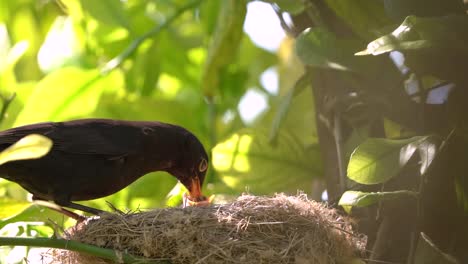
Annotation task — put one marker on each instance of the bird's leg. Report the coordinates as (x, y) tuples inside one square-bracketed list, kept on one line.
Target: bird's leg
[(65, 202), (60, 209), (84, 208)]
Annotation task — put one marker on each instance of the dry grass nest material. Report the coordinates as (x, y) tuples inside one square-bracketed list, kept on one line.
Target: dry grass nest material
[(252, 229)]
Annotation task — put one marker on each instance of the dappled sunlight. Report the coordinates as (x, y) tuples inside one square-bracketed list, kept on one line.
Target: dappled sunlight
[(263, 26), (231, 181), (270, 80), (197, 55), (168, 86), (230, 155), (60, 46), (251, 105)]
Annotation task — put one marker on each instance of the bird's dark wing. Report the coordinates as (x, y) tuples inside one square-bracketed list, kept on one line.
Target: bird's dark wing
[(87, 136)]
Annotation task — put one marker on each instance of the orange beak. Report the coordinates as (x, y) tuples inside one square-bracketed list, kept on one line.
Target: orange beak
[(195, 197), (195, 190)]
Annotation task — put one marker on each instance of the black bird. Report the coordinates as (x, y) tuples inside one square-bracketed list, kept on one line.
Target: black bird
[(93, 158)]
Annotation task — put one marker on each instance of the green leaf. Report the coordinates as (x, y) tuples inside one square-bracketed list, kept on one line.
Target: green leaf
[(109, 12), (378, 160), (143, 108), (285, 105), (225, 43), (321, 48), (29, 147), (66, 94), (175, 196), (50, 57), (247, 160), (9, 207), (27, 212), (415, 33), (365, 17), (363, 199), (209, 12)]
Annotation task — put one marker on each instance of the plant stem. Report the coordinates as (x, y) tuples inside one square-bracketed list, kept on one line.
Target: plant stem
[(116, 256)]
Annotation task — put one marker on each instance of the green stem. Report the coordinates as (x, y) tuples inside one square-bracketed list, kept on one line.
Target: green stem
[(115, 62), (109, 254)]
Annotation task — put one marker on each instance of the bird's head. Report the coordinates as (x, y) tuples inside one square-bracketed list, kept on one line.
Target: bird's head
[(191, 168)]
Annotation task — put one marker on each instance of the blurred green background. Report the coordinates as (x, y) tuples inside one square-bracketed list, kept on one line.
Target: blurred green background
[(189, 63), (259, 83)]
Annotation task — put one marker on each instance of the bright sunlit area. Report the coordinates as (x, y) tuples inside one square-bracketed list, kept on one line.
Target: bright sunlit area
[(264, 29)]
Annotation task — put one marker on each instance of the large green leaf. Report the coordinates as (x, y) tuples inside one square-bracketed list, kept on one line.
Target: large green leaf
[(321, 48), (247, 160), (363, 199), (365, 17), (9, 207), (378, 160), (224, 45), (142, 108), (110, 12), (29, 147), (65, 94), (21, 211)]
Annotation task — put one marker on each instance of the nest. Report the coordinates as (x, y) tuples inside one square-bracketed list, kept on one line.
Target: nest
[(252, 229)]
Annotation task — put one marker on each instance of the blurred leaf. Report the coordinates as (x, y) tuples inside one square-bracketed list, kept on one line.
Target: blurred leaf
[(110, 12), (175, 196), (33, 213), (285, 105), (151, 190), (151, 60), (9, 207), (399, 9), (247, 160), (209, 12), (417, 33), (65, 94), (300, 119), (320, 48), (428, 253), (22, 91), (293, 7), (224, 45), (60, 48), (378, 160), (26, 27), (363, 199), (169, 111), (365, 17), (29, 147)]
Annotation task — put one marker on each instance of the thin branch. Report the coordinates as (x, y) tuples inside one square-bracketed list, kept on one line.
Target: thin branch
[(117, 61), (116, 256)]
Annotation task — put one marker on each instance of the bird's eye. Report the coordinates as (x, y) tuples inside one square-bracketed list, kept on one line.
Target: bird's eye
[(203, 165)]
